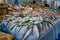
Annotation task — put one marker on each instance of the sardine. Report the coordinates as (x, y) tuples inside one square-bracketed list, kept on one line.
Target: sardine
[(27, 34), (35, 31)]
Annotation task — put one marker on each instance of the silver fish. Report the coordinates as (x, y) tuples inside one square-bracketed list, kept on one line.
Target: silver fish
[(27, 34), (35, 31)]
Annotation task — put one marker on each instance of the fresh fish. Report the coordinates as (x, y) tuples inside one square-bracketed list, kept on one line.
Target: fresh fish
[(35, 31), (22, 32), (39, 26), (42, 25), (48, 25), (27, 34), (12, 26), (13, 31), (51, 23), (20, 29)]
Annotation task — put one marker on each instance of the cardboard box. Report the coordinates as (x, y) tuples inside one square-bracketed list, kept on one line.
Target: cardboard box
[(5, 36)]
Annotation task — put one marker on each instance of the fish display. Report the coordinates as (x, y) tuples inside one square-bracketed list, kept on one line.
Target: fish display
[(30, 21)]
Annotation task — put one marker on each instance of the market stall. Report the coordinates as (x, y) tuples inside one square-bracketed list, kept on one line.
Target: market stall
[(30, 22)]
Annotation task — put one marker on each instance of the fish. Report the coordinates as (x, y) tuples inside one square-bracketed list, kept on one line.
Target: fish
[(22, 32), (27, 34), (39, 26), (36, 31)]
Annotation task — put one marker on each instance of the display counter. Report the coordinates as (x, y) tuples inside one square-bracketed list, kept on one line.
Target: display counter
[(33, 23), (50, 34)]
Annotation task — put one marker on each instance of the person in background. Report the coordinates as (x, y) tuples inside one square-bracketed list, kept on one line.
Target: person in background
[(59, 7), (16, 2), (34, 2), (45, 4)]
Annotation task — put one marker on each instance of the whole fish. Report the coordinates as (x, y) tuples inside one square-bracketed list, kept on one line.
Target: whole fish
[(35, 31), (27, 34)]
